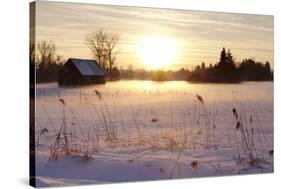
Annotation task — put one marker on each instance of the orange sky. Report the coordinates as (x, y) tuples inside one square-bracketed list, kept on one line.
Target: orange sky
[(197, 36)]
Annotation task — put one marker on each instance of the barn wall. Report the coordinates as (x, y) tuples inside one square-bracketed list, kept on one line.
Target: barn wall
[(70, 75)]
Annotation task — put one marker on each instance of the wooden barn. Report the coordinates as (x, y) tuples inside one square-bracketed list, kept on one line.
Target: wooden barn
[(81, 72)]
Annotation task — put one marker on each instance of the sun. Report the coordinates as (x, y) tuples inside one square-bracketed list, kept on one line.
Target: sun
[(157, 52)]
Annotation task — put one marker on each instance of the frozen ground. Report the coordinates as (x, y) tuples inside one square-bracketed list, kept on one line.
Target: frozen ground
[(142, 130)]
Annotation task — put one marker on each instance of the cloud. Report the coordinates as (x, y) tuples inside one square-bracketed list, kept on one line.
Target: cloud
[(202, 33)]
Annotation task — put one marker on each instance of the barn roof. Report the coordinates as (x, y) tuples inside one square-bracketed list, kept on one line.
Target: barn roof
[(87, 67)]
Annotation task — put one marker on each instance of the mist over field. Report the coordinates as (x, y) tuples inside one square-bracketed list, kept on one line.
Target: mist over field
[(144, 130)]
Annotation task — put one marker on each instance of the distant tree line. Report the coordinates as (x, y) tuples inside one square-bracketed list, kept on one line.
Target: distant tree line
[(44, 59), (227, 71), (154, 75)]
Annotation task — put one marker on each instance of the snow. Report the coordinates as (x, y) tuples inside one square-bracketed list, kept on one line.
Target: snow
[(182, 132)]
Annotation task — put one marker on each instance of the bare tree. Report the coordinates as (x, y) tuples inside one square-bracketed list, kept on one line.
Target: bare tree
[(47, 53), (96, 43), (110, 50), (47, 61), (32, 56), (103, 46)]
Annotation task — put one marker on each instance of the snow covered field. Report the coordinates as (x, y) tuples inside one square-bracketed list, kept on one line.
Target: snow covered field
[(143, 130)]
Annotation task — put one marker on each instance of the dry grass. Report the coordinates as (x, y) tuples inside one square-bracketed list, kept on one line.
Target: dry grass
[(247, 154), (178, 136)]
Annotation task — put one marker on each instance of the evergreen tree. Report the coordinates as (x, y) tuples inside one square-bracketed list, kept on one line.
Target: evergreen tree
[(223, 56), (229, 58), (267, 67), (203, 66)]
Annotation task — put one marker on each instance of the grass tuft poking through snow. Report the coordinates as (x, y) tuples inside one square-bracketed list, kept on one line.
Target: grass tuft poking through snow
[(117, 132)]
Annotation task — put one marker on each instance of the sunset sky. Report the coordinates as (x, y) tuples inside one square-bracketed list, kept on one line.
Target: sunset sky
[(171, 38)]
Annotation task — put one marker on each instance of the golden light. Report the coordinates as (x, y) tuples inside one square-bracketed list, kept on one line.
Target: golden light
[(157, 52)]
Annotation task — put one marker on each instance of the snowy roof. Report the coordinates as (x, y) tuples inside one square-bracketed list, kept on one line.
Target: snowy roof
[(87, 67)]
